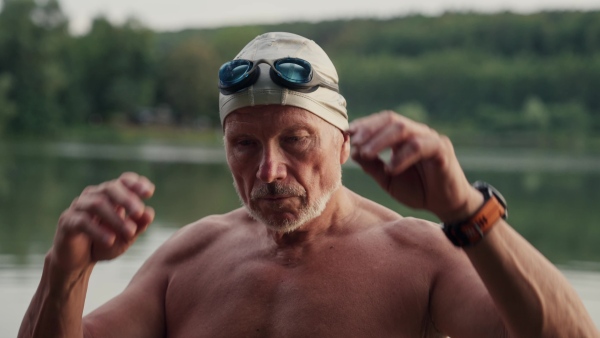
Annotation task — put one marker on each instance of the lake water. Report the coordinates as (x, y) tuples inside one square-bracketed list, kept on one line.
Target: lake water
[(553, 202)]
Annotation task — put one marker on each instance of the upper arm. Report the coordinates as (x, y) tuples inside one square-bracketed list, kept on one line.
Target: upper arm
[(138, 311), (460, 305)]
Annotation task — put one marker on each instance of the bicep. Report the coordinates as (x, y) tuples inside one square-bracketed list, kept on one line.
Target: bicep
[(460, 305), (137, 312)]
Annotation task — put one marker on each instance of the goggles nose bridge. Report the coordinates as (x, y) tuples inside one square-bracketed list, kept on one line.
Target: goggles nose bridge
[(259, 61)]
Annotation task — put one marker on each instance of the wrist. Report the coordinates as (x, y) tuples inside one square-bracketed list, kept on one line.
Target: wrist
[(466, 210), (61, 280), (470, 230)]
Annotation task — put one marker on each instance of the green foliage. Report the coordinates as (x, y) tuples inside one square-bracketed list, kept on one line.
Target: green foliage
[(117, 68), (33, 35), (536, 114), (499, 73), (7, 107), (413, 110), (570, 117), (188, 81)]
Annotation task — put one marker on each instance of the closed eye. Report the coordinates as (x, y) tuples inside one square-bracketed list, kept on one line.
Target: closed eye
[(295, 139), (245, 142)]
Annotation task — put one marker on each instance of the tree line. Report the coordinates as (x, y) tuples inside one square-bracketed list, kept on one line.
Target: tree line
[(499, 72)]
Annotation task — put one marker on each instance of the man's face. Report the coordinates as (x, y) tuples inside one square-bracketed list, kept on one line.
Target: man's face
[(285, 161)]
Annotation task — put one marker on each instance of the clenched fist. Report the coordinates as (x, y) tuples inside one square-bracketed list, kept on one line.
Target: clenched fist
[(102, 223)]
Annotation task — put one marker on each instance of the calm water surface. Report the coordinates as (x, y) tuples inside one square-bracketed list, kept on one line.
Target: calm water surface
[(553, 202)]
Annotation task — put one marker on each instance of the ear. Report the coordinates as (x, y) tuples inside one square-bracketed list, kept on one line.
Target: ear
[(345, 151)]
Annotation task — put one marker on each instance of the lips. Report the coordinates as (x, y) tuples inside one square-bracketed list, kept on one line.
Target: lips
[(275, 198), (276, 191)]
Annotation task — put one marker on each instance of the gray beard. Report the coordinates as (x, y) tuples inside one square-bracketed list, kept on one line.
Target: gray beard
[(306, 213)]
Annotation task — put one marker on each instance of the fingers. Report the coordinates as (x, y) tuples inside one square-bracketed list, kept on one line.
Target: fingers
[(383, 130), (127, 191), (410, 142), (138, 184), (117, 205), (120, 195), (99, 205), (81, 222), (372, 166), (145, 220), (413, 151)]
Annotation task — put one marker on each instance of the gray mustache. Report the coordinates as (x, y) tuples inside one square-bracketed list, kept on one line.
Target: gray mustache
[(276, 189)]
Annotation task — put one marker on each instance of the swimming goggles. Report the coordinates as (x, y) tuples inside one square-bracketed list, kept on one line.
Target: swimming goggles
[(292, 73)]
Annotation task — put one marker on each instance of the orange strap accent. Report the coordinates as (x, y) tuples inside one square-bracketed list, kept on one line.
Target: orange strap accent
[(483, 220)]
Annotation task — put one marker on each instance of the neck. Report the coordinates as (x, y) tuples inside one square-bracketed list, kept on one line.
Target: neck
[(332, 219)]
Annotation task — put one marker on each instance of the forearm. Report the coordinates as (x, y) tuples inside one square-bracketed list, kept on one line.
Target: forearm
[(533, 297), (57, 307)]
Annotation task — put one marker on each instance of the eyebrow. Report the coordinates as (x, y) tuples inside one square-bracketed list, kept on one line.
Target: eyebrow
[(299, 126)]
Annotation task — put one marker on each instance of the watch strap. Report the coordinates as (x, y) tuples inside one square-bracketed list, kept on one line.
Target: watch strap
[(471, 231)]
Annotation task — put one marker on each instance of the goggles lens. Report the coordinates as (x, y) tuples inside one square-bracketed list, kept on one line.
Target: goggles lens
[(294, 70), (234, 71)]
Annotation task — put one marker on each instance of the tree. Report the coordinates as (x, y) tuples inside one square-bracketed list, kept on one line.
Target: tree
[(32, 36), (189, 83), (117, 71), (413, 110), (7, 107), (536, 114)]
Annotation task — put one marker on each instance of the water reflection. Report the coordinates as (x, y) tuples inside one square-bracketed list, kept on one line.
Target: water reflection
[(39, 189), (556, 211)]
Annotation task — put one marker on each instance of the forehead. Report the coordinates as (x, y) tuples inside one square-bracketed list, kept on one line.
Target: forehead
[(272, 117)]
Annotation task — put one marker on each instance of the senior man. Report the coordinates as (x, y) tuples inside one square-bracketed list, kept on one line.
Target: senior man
[(305, 256)]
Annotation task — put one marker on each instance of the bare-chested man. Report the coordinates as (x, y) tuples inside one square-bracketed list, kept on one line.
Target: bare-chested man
[(306, 257)]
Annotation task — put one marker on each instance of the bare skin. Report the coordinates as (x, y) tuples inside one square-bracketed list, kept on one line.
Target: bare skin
[(356, 270)]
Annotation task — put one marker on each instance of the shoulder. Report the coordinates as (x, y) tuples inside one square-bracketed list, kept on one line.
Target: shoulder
[(197, 237), (426, 239), (405, 233), (416, 232), (404, 230)]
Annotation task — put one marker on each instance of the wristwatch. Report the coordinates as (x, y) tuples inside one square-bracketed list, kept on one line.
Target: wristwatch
[(472, 230)]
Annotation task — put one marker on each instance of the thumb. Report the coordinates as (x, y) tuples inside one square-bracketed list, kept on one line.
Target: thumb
[(375, 167)]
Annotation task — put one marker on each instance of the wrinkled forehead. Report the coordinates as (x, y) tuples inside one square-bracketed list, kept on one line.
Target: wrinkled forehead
[(274, 117)]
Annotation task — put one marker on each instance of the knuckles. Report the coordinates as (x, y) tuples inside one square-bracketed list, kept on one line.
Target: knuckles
[(109, 186), (89, 189), (414, 146), (447, 143), (129, 175), (389, 116), (64, 217), (98, 202)]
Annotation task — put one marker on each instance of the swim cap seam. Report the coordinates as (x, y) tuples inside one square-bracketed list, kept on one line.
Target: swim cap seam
[(284, 93), (251, 94)]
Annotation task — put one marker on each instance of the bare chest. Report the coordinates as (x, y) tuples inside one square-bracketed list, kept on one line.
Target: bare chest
[(335, 291)]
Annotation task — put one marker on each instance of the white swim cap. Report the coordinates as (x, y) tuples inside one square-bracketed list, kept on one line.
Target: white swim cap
[(323, 102)]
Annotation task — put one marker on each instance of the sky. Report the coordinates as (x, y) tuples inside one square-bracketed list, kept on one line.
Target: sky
[(175, 15)]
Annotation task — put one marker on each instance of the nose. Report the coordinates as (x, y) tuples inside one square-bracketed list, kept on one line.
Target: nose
[(272, 166)]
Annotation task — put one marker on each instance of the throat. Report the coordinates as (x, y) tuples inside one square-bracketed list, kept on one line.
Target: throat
[(291, 248), (291, 256)]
